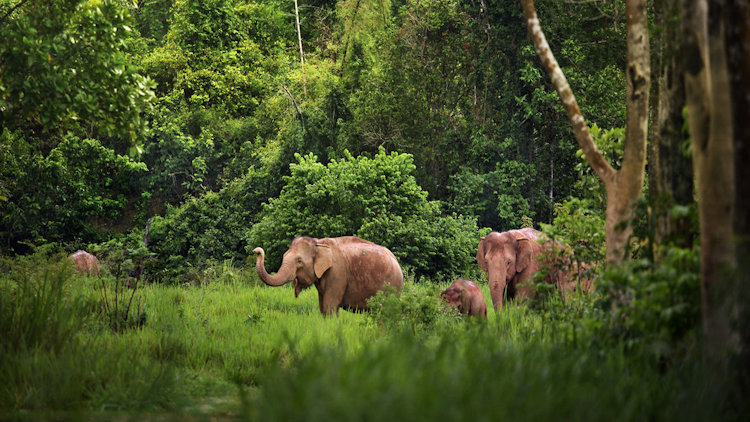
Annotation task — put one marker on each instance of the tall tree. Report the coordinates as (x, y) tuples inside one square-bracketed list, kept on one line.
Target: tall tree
[(623, 186), (737, 38), (670, 167), (62, 66), (710, 120)]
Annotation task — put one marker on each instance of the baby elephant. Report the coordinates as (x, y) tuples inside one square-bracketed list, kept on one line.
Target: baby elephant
[(85, 263), (466, 296)]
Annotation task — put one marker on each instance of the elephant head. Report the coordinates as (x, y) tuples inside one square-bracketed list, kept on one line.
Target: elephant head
[(304, 263), (508, 258), (466, 296), (452, 295)]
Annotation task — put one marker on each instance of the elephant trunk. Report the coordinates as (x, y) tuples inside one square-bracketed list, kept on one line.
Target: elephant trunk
[(285, 274), (498, 280)]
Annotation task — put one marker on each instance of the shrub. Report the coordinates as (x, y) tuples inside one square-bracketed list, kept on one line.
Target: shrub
[(415, 310), (579, 225), (374, 198), (72, 194), (654, 307), (209, 228)]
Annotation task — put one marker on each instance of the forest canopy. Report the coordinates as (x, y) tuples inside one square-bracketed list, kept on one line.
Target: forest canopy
[(174, 139), (115, 112)]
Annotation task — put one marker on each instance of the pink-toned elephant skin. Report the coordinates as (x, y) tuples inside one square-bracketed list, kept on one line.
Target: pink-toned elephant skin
[(466, 296), (513, 257), (85, 262), (567, 274), (509, 259), (346, 271)]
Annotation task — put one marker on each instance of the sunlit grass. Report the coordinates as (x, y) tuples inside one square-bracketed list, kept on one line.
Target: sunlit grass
[(230, 346)]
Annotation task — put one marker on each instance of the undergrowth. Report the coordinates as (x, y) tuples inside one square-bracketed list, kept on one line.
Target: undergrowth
[(231, 347)]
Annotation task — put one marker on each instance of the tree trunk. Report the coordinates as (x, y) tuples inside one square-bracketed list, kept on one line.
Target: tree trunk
[(301, 53), (710, 119), (737, 38), (623, 186), (670, 169)]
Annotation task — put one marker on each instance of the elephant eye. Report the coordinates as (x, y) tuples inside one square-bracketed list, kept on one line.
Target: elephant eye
[(299, 260)]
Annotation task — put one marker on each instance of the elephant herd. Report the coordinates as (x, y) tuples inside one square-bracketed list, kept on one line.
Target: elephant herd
[(348, 270)]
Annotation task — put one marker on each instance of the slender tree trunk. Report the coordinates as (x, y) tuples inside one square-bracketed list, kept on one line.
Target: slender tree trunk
[(623, 186), (301, 53), (737, 39), (710, 119), (670, 169)]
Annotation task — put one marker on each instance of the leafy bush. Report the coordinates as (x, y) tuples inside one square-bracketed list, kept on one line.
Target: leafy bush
[(200, 230), (374, 198), (654, 307), (73, 194), (579, 225), (414, 310)]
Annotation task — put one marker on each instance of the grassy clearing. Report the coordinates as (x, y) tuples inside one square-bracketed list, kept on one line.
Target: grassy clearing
[(230, 347)]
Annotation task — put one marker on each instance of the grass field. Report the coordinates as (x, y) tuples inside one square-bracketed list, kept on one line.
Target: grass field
[(227, 347)]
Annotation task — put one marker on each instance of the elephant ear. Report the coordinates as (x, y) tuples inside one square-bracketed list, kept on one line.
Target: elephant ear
[(323, 259), (523, 254), (480, 255)]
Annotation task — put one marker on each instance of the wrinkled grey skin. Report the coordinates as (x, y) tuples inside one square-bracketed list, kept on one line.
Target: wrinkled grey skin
[(509, 259), (346, 270)]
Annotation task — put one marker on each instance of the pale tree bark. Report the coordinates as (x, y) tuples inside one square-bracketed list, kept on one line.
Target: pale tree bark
[(670, 170), (301, 53), (710, 121), (625, 185)]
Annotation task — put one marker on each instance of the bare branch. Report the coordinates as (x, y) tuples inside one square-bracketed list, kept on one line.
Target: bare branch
[(601, 167)]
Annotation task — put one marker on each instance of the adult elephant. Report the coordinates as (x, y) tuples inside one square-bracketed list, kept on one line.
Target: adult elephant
[(346, 270), (509, 259)]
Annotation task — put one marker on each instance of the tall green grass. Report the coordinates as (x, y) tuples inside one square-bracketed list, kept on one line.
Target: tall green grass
[(53, 356), (223, 345)]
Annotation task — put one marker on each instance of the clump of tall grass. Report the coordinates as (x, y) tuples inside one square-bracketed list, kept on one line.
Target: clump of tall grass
[(52, 361), (33, 309), (462, 375)]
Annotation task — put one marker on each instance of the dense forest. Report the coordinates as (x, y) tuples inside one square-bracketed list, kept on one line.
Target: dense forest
[(198, 113), (172, 137)]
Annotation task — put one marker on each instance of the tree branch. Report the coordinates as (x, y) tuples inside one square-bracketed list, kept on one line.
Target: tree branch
[(7, 14), (596, 160)]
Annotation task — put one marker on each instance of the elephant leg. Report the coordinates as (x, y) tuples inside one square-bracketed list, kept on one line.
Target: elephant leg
[(497, 290), (329, 301), (523, 285)]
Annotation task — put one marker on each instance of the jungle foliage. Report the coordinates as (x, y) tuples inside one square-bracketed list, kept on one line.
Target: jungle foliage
[(171, 137), (207, 108)]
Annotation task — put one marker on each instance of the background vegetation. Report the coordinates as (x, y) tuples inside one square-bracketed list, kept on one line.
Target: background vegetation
[(171, 137)]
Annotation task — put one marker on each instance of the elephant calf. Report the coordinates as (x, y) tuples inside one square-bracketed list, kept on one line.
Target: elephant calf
[(85, 262), (466, 296)]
